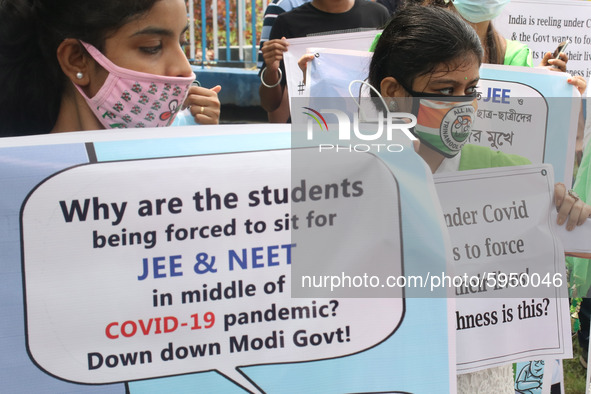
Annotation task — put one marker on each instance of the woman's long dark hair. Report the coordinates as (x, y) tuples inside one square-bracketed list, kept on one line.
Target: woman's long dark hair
[(418, 39), (31, 79)]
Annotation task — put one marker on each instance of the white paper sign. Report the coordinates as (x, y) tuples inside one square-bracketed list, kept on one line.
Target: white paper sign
[(359, 41), (505, 248), (543, 24), (513, 124), (183, 276)]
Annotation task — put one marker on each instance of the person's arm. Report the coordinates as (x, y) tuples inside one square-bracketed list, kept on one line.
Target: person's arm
[(272, 87), (271, 90), (580, 255), (271, 13), (281, 114), (581, 84)]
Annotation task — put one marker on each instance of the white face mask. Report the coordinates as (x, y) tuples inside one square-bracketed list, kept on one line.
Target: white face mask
[(477, 11), (131, 99)]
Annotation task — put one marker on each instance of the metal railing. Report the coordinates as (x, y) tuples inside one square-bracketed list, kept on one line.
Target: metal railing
[(225, 32)]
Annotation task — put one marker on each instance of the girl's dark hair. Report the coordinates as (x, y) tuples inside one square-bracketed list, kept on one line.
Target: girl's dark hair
[(418, 39), (31, 79), (494, 51)]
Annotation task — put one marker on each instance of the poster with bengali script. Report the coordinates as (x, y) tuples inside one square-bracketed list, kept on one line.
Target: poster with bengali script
[(529, 112), (525, 111)]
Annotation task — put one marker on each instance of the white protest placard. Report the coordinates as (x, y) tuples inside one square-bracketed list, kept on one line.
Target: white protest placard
[(512, 262), (529, 112), (163, 263), (502, 122), (326, 80), (358, 41), (122, 250), (575, 242), (543, 24)]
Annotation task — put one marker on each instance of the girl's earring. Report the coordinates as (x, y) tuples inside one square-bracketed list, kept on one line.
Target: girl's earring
[(393, 106), (79, 75)]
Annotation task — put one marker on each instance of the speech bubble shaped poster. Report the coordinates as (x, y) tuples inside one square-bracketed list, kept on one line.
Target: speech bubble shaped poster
[(156, 274), (193, 274)]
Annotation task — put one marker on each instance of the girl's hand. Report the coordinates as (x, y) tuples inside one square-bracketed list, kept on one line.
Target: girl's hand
[(578, 82), (273, 53), (204, 104), (550, 63), (303, 63), (571, 209)]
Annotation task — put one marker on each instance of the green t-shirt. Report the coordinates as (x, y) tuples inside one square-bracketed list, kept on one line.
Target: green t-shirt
[(475, 157), (517, 54), (580, 269)]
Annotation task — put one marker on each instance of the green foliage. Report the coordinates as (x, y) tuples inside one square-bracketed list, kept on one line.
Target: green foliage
[(574, 374)]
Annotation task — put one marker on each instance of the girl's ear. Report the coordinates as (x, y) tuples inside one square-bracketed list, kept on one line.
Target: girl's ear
[(390, 87), (74, 61)]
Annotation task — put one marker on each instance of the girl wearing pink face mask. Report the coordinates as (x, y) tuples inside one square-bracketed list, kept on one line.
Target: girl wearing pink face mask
[(72, 65)]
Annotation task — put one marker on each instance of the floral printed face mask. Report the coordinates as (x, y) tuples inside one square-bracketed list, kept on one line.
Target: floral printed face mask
[(131, 99)]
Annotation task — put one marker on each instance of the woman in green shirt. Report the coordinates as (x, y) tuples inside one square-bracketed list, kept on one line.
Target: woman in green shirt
[(427, 56)]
